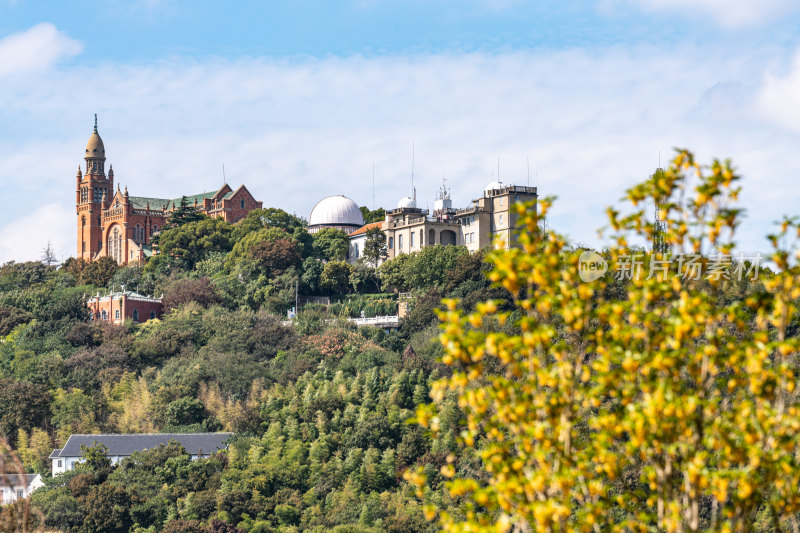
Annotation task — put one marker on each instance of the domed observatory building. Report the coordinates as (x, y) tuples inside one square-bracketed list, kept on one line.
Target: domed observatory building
[(337, 212)]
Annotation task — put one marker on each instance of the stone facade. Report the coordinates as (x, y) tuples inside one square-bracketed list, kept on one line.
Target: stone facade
[(117, 225), (409, 229)]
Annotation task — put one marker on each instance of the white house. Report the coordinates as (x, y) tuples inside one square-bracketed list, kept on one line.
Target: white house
[(197, 445), (18, 486), (358, 241)]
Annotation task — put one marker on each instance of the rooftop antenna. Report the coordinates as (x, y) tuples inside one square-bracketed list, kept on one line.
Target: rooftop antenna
[(373, 185), (95, 122), (498, 168), (413, 189), (224, 178), (528, 161)]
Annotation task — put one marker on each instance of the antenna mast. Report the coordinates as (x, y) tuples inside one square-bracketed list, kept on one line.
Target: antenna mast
[(373, 185), (224, 178), (413, 189), (528, 161)]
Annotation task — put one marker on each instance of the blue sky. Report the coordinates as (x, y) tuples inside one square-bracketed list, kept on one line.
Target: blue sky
[(298, 99)]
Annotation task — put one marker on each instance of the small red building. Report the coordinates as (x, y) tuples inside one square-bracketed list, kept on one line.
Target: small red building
[(126, 305)]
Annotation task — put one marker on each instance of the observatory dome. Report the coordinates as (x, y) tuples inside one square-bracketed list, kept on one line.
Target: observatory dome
[(406, 202), (338, 212)]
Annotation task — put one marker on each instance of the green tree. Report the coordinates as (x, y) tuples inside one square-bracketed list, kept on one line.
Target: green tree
[(106, 509), (668, 408), (269, 217), (188, 243), (183, 214), (374, 215), (312, 271), (375, 249), (275, 256), (22, 406), (331, 244), (336, 277), (98, 272)]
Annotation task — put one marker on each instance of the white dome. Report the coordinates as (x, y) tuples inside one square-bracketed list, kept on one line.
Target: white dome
[(493, 186), (406, 202), (336, 211)]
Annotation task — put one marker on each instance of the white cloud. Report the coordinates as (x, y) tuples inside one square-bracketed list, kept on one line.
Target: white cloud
[(592, 123), (35, 50), (728, 13), (26, 237), (779, 99)]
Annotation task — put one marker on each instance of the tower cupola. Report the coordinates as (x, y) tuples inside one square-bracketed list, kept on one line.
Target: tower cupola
[(95, 153)]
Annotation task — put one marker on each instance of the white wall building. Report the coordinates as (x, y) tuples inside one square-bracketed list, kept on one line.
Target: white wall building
[(15, 487), (120, 446)]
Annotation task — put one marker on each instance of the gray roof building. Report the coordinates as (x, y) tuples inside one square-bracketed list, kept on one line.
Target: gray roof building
[(124, 445)]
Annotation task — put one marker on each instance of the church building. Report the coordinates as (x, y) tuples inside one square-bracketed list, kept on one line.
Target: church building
[(117, 225)]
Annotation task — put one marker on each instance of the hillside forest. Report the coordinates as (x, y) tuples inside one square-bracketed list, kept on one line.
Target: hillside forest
[(516, 395)]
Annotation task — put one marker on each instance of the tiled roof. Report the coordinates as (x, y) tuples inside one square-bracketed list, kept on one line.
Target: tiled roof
[(364, 229), (126, 444), (16, 480), (140, 202), (191, 198)]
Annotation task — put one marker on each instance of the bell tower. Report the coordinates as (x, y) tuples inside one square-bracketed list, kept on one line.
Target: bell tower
[(93, 189)]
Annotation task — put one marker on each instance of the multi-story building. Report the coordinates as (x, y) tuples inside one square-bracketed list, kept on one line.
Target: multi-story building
[(488, 219), (117, 225)]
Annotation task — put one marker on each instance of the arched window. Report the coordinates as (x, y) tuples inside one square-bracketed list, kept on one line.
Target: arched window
[(115, 244), (105, 315), (116, 314), (152, 314), (136, 315)]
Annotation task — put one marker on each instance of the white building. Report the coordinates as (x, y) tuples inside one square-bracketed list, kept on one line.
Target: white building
[(120, 446), (410, 229), (358, 239), (15, 487)]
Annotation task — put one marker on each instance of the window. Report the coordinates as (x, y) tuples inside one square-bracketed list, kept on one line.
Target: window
[(116, 314), (60, 463), (502, 200), (115, 244), (20, 494), (391, 243), (421, 238), (242, 204), (152, 314), (105, 315), (136, 314), (400, 242), (411, 240), (471, 237), (83, 246), (501, 220), (355, 256)]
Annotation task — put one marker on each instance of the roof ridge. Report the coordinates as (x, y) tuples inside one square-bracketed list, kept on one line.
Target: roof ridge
[(136, 434)]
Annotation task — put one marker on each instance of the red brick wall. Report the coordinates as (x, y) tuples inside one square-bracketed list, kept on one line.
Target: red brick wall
[(126, 307)]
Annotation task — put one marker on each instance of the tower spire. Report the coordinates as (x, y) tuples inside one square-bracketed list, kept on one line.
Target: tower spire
[(95, 122)]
